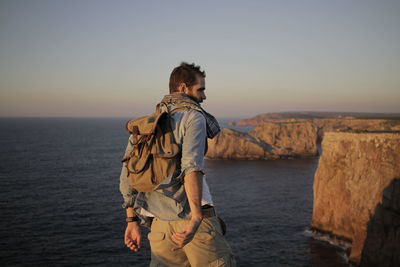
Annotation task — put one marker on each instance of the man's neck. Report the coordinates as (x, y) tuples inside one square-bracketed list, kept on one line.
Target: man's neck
[(191, 97)]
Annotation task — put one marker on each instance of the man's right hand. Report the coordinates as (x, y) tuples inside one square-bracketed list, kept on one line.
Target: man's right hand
[(133, 236)]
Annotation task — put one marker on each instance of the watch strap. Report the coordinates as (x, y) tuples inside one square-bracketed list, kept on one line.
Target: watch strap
[(132, 219)]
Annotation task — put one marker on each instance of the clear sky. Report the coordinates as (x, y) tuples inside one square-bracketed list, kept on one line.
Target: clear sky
[(113, 58)]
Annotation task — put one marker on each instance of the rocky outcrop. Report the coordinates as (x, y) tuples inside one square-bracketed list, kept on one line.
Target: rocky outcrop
[(266, 141), (291, 139), (353, 171), (230, 144)]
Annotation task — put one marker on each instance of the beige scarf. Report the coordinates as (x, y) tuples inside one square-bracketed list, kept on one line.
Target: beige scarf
[(184, 100)]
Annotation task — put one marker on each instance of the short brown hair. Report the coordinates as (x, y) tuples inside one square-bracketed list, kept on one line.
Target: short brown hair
[(184, 73)]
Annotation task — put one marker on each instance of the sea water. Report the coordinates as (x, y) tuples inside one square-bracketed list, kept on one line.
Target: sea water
[(60, 203)]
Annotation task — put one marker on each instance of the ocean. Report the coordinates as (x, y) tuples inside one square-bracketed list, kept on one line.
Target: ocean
[(60, 203)]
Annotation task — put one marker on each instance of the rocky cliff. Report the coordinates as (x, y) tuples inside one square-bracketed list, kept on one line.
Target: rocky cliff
[(291, 139), (266, 141), (230, 144), (353, 172)]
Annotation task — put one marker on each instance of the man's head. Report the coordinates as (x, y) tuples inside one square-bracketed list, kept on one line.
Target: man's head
[(188, 79)]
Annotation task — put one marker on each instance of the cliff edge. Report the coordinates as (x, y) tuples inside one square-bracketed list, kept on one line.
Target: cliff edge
[(352, 174)]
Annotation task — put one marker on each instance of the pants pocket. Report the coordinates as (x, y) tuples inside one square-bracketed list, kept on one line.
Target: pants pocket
[(223, 225), (225, 261), (156, 236)]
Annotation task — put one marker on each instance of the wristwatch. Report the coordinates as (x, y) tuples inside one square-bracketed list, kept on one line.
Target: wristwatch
[(132, 219)]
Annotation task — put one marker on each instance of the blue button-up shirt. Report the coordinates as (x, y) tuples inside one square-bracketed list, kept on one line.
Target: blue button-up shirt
[(168, 201)]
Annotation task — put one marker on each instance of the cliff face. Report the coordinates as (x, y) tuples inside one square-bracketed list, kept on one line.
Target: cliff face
[(352, 173), (230, 144), (297, 139), (266, 141)]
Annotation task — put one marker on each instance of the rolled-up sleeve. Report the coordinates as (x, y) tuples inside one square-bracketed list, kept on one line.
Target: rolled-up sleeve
[(128, 193), (194, 141)]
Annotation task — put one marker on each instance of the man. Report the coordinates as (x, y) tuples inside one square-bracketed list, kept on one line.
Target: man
[(185, 230)]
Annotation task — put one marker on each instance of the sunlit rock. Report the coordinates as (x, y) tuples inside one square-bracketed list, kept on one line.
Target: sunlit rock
[(290, 139), (266, 141), (353, 173), (231, 144)]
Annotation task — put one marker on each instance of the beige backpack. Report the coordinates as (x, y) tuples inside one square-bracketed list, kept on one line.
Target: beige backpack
[(155, 155)]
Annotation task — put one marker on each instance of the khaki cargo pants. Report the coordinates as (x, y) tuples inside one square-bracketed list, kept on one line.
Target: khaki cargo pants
[(208, 247)]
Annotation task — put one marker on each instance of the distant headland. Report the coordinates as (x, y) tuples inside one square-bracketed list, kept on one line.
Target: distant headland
[(293, 134)]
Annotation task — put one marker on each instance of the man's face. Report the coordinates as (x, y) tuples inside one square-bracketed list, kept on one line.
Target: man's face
[(197, 91)]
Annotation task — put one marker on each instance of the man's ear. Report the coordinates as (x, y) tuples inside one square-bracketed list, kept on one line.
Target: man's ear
[(182, 87)]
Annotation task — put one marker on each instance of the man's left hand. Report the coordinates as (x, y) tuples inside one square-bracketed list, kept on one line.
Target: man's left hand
[(186, 235)]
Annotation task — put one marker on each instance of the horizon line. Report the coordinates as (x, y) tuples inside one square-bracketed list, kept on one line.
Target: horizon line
[(222, 117)]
